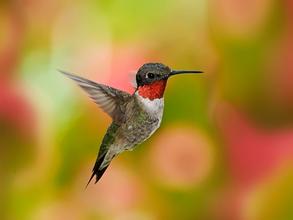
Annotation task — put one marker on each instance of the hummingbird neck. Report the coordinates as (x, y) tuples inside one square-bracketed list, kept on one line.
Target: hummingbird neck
[(152, 91)]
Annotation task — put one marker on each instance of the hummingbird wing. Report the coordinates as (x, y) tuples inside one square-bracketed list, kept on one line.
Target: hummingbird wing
[(111, 100)]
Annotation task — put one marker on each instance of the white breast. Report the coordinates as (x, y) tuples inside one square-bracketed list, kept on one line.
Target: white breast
[(154, 107), (155, 110)]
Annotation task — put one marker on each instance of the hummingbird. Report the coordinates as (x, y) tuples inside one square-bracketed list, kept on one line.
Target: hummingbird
[(135, 117)]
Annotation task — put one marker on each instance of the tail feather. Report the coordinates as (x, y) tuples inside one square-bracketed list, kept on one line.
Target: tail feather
[(100, 173), (97, 171)]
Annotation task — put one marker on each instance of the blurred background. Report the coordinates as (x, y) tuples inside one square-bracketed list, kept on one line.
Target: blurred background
[(225, 147)]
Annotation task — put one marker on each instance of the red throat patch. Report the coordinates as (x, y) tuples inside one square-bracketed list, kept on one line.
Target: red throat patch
[(153, 91)]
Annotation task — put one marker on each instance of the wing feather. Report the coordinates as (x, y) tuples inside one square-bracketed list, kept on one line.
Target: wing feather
[(109, 99)]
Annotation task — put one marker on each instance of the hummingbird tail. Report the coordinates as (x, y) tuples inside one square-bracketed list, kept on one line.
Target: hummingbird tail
[(97, 170)]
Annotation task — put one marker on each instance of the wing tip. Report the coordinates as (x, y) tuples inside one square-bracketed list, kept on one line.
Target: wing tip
[(68, 74)]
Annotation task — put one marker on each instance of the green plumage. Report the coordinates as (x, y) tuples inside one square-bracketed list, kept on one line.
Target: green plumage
[(108, 140)]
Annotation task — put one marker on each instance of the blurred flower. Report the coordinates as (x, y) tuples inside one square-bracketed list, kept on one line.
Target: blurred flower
[(180, 156), (124, 62), (15, 110), (119, 192), (253, 152)]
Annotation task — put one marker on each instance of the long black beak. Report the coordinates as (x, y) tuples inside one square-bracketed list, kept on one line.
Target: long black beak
[(175, 72)]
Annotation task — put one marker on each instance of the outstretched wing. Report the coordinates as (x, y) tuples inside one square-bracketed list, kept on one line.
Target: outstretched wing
[(111, 100)]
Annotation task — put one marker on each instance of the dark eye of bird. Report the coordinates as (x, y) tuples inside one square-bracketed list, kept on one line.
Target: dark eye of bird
[(151, 75)]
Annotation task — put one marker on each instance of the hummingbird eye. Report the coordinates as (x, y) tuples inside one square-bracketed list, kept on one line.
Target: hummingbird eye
[(150, 75)]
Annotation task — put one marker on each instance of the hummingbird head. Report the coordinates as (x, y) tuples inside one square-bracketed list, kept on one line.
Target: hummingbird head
[(151, 79), (151, 72)]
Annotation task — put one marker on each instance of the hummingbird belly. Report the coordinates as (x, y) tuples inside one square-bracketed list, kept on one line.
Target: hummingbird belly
[(131, 133), (142, 131), (144, 118)]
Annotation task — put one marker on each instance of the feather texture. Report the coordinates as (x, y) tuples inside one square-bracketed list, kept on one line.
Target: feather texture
[(109, 99)]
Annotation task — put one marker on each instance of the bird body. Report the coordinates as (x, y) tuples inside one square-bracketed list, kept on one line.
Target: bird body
[(142, 117), (135, 116)]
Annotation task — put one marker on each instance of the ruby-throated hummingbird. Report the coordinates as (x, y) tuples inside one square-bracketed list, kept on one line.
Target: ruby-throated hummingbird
[(135, 117)]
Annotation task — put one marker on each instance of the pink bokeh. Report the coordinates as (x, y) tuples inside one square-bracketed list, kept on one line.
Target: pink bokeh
[(253, 152), (180, 156)]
